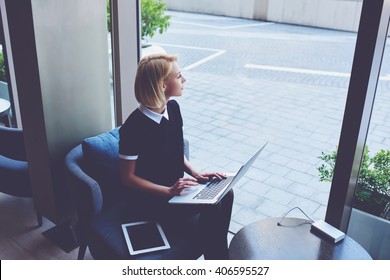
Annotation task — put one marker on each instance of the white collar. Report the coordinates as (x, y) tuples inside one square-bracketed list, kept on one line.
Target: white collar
[(153, 115)]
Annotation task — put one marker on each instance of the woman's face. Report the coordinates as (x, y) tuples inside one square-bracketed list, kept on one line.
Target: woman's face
[(173, 85)]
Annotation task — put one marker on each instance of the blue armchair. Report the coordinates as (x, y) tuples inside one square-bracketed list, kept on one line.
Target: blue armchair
[(94, 181), (14, 176)]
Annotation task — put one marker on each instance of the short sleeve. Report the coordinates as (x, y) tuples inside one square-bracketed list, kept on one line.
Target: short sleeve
[(175, 110), (129, 143)]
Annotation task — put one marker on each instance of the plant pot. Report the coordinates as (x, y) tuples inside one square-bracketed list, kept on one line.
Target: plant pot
[(370, 207), (151, 49), (371, 232), (370, 200), (4, 90)]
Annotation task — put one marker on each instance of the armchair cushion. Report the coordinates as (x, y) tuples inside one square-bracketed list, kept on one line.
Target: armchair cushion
[(102, 163)]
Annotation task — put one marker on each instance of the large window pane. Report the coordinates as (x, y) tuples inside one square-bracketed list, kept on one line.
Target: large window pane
[(251, 81), (370, 219)]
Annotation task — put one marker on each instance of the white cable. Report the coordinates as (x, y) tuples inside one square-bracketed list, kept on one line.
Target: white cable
[(281, 219)]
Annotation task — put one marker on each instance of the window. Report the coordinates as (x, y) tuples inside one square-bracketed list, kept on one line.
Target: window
[(370, 218), (367, 85), (249, 81)]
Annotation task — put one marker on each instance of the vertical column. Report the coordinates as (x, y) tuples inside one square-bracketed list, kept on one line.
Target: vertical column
[(126, 48), (60, 60), (367, 61)]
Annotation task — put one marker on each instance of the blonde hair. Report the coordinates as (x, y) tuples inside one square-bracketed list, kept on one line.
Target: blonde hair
[(151, 74)]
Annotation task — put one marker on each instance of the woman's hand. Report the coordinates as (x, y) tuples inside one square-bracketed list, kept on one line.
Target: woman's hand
[(203, 177), (181, 184)]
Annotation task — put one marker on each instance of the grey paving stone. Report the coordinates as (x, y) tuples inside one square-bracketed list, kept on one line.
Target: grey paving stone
[(257, 188), (278, 182), (272, 209), (246, 216), (280, 196), (277, 169), (302, 190), (307, 205), (234, 226), (298, 176), (247, 199), (320, 213)]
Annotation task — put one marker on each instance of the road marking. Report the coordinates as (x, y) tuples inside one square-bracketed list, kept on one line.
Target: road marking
[(204, 60), (217, 53), (306, 71), (187, 47), (223, 27)]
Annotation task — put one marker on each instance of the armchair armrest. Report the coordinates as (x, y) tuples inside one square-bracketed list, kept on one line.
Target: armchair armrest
[(14, 177), (87, 192)]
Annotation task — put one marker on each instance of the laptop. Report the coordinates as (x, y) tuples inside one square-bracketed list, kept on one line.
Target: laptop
[(215, 190)]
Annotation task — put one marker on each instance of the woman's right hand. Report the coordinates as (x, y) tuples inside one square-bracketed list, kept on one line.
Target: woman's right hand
[(181, 184)]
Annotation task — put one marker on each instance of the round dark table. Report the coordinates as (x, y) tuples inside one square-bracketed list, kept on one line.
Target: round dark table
[(293, 240)]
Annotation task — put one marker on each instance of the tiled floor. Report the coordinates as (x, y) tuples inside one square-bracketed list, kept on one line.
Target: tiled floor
[(21, 238)]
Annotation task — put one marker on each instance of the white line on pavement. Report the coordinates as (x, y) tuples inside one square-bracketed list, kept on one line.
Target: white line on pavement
[(204, 60), (305, 71), (217, 53), (223, 27), (188, 47)]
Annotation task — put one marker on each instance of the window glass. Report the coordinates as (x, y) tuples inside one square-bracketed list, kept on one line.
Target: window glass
[(250, 81), (6, 112), (370, 218), (112, 96)]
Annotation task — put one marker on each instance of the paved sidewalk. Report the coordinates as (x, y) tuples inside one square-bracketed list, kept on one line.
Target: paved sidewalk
[(231, 108), (225, 131)]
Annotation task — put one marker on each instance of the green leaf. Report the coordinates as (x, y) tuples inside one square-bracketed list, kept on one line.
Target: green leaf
[(153, 18), (373, 188)]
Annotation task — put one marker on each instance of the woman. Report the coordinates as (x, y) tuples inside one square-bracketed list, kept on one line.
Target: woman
[(152, 162)]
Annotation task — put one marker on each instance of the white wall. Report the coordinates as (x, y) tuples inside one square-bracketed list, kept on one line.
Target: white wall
[(333, 14), (232, 8)]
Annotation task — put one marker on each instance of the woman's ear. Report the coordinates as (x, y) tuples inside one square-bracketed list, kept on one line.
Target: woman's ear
[(162, 84)]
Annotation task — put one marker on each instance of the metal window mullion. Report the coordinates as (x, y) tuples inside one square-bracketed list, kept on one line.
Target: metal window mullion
[(370, 45)]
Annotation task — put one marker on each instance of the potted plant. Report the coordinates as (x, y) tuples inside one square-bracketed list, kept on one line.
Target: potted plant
[(3, 78), (369, 222), (373, 187), (153, 19)]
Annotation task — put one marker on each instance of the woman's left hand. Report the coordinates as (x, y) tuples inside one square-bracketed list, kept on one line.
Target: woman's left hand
[(203, 177)]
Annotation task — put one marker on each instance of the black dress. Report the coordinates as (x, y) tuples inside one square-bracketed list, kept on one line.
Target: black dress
[(158, 149)]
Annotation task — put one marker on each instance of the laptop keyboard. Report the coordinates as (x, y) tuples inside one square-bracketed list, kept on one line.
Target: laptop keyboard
[(213, 188)]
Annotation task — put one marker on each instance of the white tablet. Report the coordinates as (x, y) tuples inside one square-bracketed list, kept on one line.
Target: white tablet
[(144, 237)]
